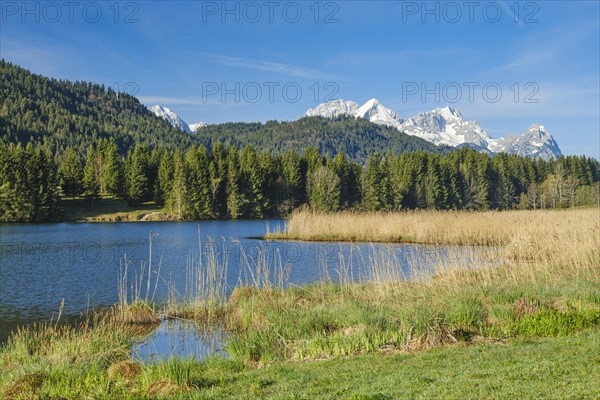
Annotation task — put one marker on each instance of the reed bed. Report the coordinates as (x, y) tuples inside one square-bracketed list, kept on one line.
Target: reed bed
[(499, 228), (538, 275)]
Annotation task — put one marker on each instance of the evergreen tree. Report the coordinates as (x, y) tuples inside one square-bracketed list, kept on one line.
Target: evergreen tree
[(374, 190), (71, 174), (177, 198), (91, 186), (218, 181), (164, 181), (235, 197), (292, 175), (136, 181), (112, 169), (254, 186), (198, 185)]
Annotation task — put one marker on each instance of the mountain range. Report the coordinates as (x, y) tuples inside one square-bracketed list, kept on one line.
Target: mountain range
[(35, 108), (441, 126), (445, 126)]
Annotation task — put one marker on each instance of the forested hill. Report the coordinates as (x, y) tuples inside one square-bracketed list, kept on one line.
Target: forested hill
[(356, 137), (60, 113)]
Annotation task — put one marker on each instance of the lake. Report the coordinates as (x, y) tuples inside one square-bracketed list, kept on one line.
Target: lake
[(43, 264)]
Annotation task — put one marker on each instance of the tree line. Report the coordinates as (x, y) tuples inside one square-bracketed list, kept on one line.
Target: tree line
[(61, 114), (226, 182)]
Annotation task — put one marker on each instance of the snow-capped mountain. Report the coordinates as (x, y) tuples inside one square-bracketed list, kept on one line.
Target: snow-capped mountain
[(333, 109), (194, 127), (534, 141), (372, 111), (174, 119), (445, 126), (377, 113)]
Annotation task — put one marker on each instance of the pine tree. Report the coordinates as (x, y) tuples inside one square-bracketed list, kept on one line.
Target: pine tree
[(235, 198), (91, 187), (198, 185), (254, 187), (373, 188), (71, 174), (136, 182), (164, 181), (177, 199), (218, 181), (292, 174), (112, 170)]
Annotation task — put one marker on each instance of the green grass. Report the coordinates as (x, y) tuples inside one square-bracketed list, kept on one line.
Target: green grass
[(542, 368), (563, 367), (109, 209), (323, 321)]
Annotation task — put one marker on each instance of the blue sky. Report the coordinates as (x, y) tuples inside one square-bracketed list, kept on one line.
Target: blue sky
[(248, 61)]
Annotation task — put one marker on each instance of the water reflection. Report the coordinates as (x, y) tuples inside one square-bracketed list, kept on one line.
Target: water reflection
[(181, 339)]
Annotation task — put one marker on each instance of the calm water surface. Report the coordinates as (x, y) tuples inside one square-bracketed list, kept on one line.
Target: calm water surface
[(42, 264)]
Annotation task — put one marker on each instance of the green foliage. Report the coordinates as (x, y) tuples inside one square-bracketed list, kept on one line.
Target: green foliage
[(60, 113), (28, 184), (136, 176), (91, 186), (111, 168), (177, 198), (71, 174), (325, 190), (316, 137), (235, 197), (132, 154)]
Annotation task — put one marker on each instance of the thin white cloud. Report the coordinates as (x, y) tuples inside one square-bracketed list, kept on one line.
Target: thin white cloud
[(524, 60), (261, 65), (541, 47), (163, 100)]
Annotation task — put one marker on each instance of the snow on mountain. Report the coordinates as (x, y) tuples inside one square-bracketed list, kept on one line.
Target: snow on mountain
[(333, 109), (174, 119), (194, 127), (377, 113), (535, 141), (445, 126)]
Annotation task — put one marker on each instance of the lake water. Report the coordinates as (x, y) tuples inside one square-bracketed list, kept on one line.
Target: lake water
[(81, 263)]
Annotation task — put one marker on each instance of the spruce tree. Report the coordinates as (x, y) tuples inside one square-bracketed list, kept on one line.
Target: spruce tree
[(136, 188), (198, 185), (91, 187), (374, 191), (71, 174), (292, 174), (177, 199), (164, 180), (235, 197), (112, 170), (218, 181)]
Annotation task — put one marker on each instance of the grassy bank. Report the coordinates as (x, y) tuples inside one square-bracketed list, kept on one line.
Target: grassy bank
[(95, 365), (433, 227), (522, 322), (110, 209)]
